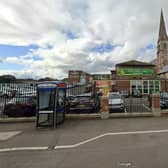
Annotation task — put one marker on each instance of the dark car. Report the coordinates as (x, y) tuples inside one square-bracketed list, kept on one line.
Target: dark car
[(20, 107), (164, 100), (84, 103)]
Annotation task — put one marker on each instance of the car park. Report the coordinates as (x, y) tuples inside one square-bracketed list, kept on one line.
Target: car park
[(20, 107), (84, 103), (116, 102)]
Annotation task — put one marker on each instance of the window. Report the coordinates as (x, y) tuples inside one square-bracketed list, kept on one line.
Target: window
[(46, 100), (61, 98), (157, 86), (145, 86), (151, 87)]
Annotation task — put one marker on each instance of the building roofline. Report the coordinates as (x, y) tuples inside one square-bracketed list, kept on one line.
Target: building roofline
[(135, 63)]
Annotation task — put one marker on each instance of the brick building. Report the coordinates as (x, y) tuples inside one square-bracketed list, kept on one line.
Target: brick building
[(135, 75), (75, 76)]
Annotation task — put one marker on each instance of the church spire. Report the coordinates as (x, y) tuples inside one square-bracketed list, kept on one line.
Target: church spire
[(162, 29)]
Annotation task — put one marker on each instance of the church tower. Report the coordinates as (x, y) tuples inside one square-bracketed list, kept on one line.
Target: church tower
[(162, 46)]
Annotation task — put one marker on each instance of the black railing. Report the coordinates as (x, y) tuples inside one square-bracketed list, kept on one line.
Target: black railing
[(17, 99), (82, 99)]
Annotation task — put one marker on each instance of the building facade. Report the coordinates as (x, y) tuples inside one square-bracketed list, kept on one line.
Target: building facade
[(135, 75), (75, 76)]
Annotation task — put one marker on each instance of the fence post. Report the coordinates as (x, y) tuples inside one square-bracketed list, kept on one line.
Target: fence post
[(156, 105), (104, 108)]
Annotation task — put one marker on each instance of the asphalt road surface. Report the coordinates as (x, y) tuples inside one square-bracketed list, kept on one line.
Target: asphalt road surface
[(113, 143)]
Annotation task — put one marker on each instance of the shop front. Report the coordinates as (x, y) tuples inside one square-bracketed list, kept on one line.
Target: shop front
[(145, 87), (137, 78)]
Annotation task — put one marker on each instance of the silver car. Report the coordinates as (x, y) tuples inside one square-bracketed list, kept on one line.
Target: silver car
[(116, 102)]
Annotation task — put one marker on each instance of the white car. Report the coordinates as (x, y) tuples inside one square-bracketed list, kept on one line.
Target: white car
[(116, 102)]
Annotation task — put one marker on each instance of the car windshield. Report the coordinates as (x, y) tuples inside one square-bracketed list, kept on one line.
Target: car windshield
[(115, 96)]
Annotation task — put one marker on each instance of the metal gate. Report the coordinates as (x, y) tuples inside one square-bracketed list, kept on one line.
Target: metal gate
[(138, 104)]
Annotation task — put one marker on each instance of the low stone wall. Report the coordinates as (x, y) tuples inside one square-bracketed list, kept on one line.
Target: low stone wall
[(156, 105), (104, 108)]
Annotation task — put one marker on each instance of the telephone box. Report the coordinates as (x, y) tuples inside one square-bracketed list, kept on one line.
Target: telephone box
[(50, 103)]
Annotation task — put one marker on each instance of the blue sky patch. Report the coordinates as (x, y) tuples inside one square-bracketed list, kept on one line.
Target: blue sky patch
[(49, 46), (102, 48), (37, 58), (70, 35), (10, 66), (11, 51), (148, 47)]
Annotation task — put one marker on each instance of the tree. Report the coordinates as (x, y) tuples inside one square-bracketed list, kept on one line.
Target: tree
[(47, 79), (7, 78)]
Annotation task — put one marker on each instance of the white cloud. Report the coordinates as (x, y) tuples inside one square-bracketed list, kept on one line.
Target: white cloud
[(130, 25)]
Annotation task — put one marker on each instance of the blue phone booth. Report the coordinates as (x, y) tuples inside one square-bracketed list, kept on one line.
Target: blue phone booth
[(50, 103)]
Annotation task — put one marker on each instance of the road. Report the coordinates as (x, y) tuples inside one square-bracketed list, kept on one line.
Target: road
[(113, 143)]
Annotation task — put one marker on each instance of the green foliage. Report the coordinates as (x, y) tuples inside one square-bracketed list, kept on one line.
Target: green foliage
[(7, 78)]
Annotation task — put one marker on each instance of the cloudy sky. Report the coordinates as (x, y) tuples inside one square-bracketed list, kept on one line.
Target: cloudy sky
[(46, 38)]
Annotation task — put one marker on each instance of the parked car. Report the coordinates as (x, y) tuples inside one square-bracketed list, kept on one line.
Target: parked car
[(20, 107), (116, 102), (164, 100), (84, 103)]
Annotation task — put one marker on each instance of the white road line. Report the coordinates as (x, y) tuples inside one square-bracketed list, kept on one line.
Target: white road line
[(42, 148), (23, 149), (109, 134), (80, 143)]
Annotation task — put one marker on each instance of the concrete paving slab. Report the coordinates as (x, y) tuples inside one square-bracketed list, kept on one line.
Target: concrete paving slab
[(7, 135)]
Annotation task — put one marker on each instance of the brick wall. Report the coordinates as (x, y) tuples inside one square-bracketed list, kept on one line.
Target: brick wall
[(123, 85)]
